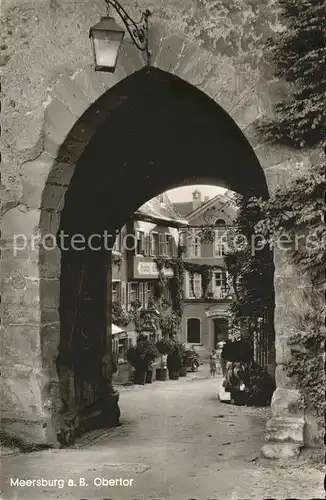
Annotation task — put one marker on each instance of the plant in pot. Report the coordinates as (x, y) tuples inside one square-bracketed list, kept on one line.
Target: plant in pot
[(184, 356), (174, 361), (237, 354), (164, 347), (141, 357), (247, 382)]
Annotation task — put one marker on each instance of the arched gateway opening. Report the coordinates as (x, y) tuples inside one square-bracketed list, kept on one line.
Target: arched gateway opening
[(149, 133)]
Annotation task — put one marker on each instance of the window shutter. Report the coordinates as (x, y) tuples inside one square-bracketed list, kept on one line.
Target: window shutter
[(161, 241), (147, 245), (145, 295), (142, 243), (128, 295), (123, 294), (151, 252), (141, 294), (197, 285), (188, 285)]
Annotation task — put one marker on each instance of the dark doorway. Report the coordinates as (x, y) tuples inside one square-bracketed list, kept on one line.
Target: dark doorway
[(221, 330), (193, 331)]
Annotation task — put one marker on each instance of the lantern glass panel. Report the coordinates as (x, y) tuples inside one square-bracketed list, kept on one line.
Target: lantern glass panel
[(106, 47)]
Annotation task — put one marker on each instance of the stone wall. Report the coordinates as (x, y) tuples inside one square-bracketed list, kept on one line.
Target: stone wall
[(47, 86)]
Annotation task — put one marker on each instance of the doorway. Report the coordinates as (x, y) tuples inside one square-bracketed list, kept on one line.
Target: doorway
[(221, 330)]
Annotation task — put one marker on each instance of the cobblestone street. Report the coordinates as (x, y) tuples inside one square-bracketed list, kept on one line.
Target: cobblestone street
[(176, 441)]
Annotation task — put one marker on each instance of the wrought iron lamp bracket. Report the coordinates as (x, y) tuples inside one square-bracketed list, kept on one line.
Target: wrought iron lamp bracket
[(138, 31)]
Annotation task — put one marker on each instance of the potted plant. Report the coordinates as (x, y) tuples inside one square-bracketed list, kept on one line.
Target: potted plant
[(163, 346), (174, 361), (141, 357), (247, 382), (184, 355)]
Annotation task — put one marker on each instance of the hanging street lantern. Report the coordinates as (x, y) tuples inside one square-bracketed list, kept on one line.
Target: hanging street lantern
[(107, 36)]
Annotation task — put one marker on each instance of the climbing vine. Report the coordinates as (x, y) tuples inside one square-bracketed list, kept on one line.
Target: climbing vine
[(307, 364), (179, 266), (297, 215), (116, 260), (297, 55)]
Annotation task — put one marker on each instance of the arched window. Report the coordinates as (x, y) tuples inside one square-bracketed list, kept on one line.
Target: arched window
[(193, 331), (220, 240)]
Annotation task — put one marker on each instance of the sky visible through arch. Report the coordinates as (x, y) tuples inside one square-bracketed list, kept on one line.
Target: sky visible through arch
[(185, 193)]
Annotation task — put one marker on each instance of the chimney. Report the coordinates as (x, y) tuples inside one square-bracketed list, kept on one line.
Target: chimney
[(196, 199)]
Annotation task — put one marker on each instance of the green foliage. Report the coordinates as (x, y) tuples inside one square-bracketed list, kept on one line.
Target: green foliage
[(163, 346), (116, 260), (119, 316), (179, 265), (307, 364), (169, 322), (298, 214), (297, 55), (251, 269), (143, 354), (237, 351), (175, 359), (259, 385)]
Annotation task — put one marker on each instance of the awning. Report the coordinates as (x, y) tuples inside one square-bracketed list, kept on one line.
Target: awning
[(116, 329)]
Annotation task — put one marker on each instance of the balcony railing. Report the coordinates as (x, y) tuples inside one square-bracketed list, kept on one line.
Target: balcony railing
[(218, 294)]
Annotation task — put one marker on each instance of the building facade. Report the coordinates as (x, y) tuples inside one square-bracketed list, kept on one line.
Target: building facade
[(205, 319), (152, 232)]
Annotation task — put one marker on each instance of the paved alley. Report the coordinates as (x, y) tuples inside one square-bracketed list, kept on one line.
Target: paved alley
[(177, 441)]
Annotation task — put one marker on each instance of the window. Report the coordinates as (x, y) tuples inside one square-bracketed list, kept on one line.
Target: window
[(132, 294), (123, 294), (147, 243), (154, 244), (220, 240), (116, 295), (193, 330), (174, 251), (141, 294), (219, 279), (194, 246), (196, 287), (168, 247), (140, 243), (148, 293), (161, 244), (122, 350)]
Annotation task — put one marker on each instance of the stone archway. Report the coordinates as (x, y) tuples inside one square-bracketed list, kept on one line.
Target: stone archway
[(70, 123), (170, 133)]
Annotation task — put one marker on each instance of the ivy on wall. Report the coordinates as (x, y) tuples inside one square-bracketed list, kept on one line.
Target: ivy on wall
[(176, 283), (297, 215), (116, 260), (297, 55)]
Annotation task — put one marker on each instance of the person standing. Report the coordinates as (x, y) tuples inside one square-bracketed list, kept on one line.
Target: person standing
[(212, 363)]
